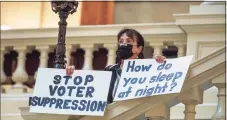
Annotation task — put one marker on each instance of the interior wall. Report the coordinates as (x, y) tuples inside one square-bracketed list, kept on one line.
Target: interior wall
[(22, 15), (149, 12), (19, 15), (50, 19)]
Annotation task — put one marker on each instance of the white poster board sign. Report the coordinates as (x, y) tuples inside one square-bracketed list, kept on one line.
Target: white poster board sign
[(83, 93), (146, 77)]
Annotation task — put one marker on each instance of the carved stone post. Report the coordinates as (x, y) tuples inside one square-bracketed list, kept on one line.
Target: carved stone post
[(181, 48), (111, 53), (157, 48), (68, 54), (160, 111), (20, 76), (190, 99), (219, 82), (3, 76), (88, 56), (44, 50)]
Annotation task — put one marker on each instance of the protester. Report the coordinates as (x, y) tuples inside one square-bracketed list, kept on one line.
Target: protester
[(130, 46)]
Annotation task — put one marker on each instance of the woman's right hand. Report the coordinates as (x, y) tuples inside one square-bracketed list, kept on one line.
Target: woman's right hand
[(70, 70)]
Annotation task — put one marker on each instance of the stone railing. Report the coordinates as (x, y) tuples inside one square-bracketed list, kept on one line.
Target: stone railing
[(88, 38), (202, 75)]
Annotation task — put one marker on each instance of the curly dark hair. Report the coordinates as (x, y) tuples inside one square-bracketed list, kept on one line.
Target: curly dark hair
[(135, 35)]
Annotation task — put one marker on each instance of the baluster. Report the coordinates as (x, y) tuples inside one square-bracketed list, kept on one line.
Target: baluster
[(160, 111), (88, 56), (20, 76), (157, 48), (3, 76), (68, 54), (31, 80), (44, 50), (219, 82), (190, 99), (111, 53), (181, 48)]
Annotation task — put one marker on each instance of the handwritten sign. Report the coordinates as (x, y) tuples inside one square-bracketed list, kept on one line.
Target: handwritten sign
[(83, 93), (146, 77)]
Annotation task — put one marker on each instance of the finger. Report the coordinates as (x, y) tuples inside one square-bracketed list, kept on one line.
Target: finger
[(67, 70), (73, 67), (159, 60), (71, 70), (164, 59)]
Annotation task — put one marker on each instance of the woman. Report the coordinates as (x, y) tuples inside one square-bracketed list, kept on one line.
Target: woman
[(130, 46)]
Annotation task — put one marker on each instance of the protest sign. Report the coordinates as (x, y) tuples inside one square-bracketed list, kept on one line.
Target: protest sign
[(83, 93), (146, 77)]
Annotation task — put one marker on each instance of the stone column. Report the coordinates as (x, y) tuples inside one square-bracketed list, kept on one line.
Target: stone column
[(219, 82), (190, 99), (44, 50), (161, 111), (157, 48), (88, 56), (68, 54), (3, 76), (111, 53), (190, 109), (20, 76), (181, 49)]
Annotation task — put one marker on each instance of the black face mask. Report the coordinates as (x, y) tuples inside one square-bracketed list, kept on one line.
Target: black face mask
[(124, 51)]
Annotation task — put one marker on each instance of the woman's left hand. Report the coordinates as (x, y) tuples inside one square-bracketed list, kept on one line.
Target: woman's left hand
[(160, 58)]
